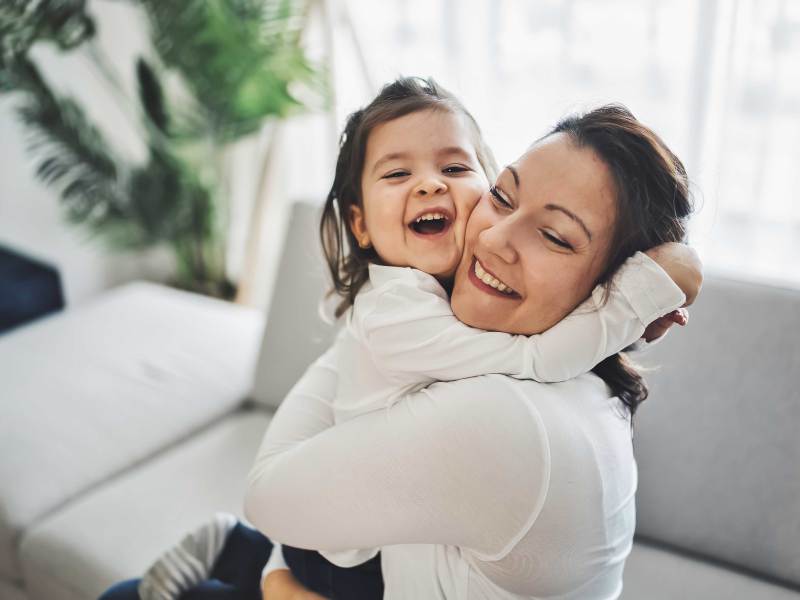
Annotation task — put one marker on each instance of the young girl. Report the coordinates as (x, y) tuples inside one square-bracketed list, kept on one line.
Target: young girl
[(411, 167)]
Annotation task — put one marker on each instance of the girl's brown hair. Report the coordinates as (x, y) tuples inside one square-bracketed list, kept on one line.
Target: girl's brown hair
[(653, 207), (347, 262)]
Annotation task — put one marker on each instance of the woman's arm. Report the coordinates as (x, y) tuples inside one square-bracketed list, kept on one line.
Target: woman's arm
[(306, 411), (423, 471)]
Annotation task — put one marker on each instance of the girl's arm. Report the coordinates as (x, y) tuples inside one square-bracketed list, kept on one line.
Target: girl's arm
[(409, 327)]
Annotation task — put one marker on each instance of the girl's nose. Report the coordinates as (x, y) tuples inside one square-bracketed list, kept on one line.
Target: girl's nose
[(430, 186)]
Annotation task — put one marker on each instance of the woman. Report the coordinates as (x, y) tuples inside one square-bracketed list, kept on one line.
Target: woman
[(492, 487)]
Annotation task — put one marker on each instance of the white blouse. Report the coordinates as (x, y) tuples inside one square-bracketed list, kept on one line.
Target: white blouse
[(487, 487)]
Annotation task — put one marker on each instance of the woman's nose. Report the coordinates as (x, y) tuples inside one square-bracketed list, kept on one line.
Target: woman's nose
[(430, 186), (497, 240)]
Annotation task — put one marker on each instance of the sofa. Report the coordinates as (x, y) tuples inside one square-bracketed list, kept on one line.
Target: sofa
[(131, 419)]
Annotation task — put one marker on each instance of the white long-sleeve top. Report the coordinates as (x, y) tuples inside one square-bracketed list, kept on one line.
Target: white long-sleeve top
[(308, 411), (401, 335), (482, 488)]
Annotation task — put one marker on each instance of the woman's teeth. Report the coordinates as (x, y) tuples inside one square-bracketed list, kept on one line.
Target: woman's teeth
[(491, 281)]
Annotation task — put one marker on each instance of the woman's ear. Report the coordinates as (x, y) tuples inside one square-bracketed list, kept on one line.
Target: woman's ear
[(358, 226)]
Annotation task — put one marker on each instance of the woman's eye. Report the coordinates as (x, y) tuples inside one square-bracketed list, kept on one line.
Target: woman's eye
[(498, 197), (455, 169), (396, 174), (557, 241)]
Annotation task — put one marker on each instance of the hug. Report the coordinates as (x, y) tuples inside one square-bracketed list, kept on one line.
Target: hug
[(469, 432)]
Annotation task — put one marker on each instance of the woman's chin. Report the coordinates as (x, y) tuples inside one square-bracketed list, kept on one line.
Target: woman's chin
[(467, 311)]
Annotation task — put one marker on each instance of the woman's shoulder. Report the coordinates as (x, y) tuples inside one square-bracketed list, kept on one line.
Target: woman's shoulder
[(522, 413), (483, 393)]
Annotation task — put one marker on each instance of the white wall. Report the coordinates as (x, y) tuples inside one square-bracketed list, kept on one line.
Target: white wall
[(30, 213)]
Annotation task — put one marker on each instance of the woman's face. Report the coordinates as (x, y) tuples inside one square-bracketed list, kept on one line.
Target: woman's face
[(537, 242)]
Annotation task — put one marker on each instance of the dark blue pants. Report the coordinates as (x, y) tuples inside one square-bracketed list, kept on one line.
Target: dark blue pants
[(237, 573)]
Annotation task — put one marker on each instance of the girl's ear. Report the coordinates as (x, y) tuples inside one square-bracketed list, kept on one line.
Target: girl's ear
[(358, 226)]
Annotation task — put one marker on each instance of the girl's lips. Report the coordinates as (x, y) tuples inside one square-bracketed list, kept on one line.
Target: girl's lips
[(487, 288)]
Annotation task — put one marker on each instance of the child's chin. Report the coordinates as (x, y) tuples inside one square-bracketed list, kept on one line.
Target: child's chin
[(439, 269)]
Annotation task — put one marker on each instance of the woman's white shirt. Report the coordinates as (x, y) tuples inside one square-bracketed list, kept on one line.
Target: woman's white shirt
[(488, 487)]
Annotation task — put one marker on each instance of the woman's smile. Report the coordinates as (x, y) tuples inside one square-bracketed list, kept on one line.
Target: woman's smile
[(486, 281)]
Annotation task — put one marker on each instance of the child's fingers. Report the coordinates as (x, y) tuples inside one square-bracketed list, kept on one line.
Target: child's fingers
[(679, 316)]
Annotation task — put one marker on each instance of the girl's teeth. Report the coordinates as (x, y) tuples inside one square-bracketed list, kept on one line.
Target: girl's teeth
[(491, 281), (430, 217)]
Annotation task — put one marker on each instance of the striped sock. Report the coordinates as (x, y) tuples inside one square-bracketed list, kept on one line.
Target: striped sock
[(182, 567)]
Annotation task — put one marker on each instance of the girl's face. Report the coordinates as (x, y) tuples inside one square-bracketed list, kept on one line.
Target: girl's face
[(538, 241), (420, 182)]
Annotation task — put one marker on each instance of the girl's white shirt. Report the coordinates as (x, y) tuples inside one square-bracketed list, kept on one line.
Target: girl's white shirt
[(488, 487), (401, 335)]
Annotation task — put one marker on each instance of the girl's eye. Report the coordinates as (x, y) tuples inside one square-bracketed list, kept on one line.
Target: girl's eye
[(556, 241), (396, 174), (498, 197), (455, 169)]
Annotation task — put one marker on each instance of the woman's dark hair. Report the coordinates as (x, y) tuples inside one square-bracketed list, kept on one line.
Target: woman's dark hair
[(653, 207), (348, 263)]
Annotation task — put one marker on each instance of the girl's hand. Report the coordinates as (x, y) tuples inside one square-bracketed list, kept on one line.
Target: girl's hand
[(281, 585), (683, 265), (660, 326)]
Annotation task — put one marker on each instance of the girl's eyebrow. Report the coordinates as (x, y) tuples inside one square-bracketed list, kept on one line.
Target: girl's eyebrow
[(453, 150), (387, 157)]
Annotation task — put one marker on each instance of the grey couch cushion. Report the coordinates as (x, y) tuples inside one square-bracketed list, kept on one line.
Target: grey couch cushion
[(717, 441), (295, 333), (89, 392), (657, 574), (117, 531)]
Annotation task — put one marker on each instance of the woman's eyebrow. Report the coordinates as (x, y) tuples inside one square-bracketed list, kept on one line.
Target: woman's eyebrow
[(572, 216), (514, 174)]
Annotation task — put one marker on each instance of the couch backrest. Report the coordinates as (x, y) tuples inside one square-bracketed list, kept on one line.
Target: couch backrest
[(295, 334), (718, 441)]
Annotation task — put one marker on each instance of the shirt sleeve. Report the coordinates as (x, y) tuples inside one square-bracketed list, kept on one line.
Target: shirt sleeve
[(305, 412), (422, 471), (410, 329), (307, 409)]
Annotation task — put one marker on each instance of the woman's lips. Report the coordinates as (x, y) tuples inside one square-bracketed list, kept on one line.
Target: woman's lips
[(485, 287)]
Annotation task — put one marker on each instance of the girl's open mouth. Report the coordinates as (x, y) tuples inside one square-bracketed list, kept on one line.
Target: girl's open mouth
[(431, 223)]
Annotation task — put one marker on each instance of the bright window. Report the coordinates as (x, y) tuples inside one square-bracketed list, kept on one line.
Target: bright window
[(718, 80)]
